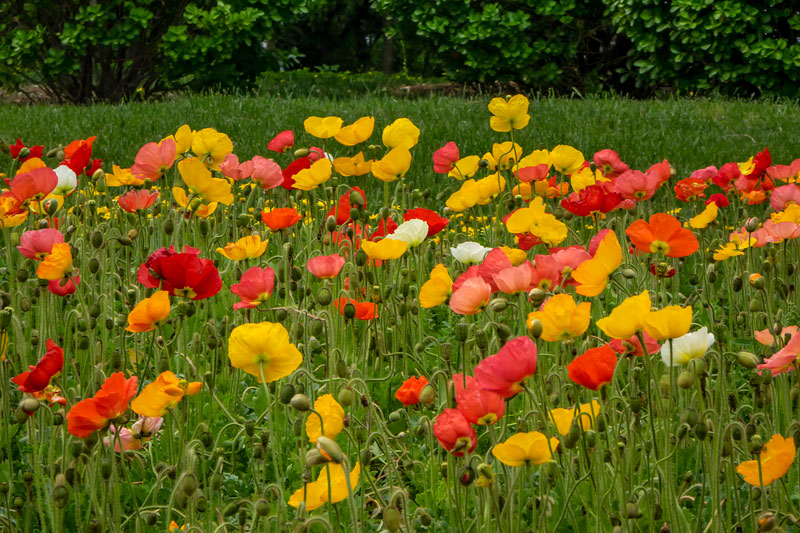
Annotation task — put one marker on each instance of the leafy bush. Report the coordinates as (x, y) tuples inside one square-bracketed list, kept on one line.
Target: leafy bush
[(734, 46)]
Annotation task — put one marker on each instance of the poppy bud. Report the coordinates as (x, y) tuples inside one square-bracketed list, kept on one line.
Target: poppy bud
[(685, 379), (481, 339), (536, 328), (755, 305), (124, 241), (391, 519), (29, 405), (536, 297), (737, 283), (346, 397), (629, 273), (314, 458), (427, 395), (5, 318), (97, 239), (286, 394), (300, 402), (498, 305), (701, 431), (462, 332), (467, 476), (300, 152), (751, 224), (361, 258), (262, 507), (632, 510), (230, 509), (330, 450)]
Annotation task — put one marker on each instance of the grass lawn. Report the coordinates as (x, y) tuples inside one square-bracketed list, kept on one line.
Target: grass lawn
[(691, 134)]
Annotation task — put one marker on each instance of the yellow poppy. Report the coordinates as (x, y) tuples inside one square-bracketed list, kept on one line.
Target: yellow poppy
[(332, 418), (509, 114), (531, 447), (776, 458), (566, 159), (384, 249), (57, 264), (10, 216), (183, 139), (357, 132), (465, 197), (247, 247), (586, 413), (466, 167), (352, 166), (149, 313), (503, 155), (315, 494), (705, 218), (323, 127), (310, 178), (402, 133), (263, 349), (669, 323), (592, 275), (436, 290), (515, 255), (627, 318), (201, 184), (211, 147), (561, 318), (120, 177), (163, 394), (393, 165)]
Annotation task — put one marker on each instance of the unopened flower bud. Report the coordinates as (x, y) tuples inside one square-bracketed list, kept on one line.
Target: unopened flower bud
[(751, 224), (97, 174), (391, 519), (536, 297), (427, 395), (330, 450), (300, 402), (536, 328), (286, 394), (498, 305), (629, 273), (346, 397), (685, 379), (301, 152), (314, 458)]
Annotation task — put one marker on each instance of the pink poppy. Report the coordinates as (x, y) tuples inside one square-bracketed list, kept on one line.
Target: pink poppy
[(515, 279), (706, 174), (282, 142), (471, 297), (266, 172), (765, 335), (634, 345), (478, 405), (495, 261), (727, 174), (254, 288), (568, 259), (784, 195), (325, 266), (153, 160), (609, 163), (235, 171), (135, 200), (636, 185), (37, 244), (505, 371), (784, 172), (546, 272), (445, 157), (781, 231)]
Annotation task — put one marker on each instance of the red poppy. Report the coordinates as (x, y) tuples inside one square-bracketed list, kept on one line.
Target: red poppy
[(727, 174), (445, 157), (33, 151), (634, 346), (280, 218), (294, 167), (345, 204), (594, 368), (535, 173), (454, 432), (325, 266), (662, 270), (409, 391), (591, 200), (364, 310), (39, 376), (133, 201), (505, 371), (720, 199), (183, 274), (64, 286), (282, 142), (78, 157), (478, 405), (435, 222), (254, 288), (385, 227), (663, 234), (110, 402), (33, 185), (690, 189), (761, 162)]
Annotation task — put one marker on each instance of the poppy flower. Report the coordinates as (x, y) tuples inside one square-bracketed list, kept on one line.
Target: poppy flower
[(532, 447), (120, 177), (465, 197), (609, 163), (332, 418), (352, 166), (393, 165), (357, 132), (586, 413), (636, 185), (561, 318), (331, 482), (310, 178), (57, 264), (505, 371), (263, 350), (211, 147), (149, 313), (591, 201), (38, 377), (402, 133), (267, 173), (436, 290), (201, 184), (153, 160), (627, 318), (355, 197), (445, 158), (508, 114), (386, 226), (515, 279), (134, 438), (135, 200), (784, 195), (690, 189), (413, 232), (38, 244), (409, 391), (594, 368), (163, 394), (280, 218), (706, 217), (773, 463), (67, 181), (110, 402), (32, 151), (248, 247), (765, 335), (183, 139), (684, 349), (534, 173), (364, 310), (534, 220), (662, 234), (669, 323), (720, 199), (234, 170), (469, 252), (11, 212), (64, 286), (184, 274), (282, 142), (472, 296), (33, 185), (495, 261), (466, 167), (633, 345), (478, 405), (254, 288), (435, 222), (323, 127), (292, 169), (385, 249), (149, 273), (325, 266), (545, 272), (566, 159), (454, 432)]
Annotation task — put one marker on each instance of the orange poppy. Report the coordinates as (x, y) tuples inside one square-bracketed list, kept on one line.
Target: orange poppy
[(280, 218), (663, 234), (594, 368), (364, 310), (110, 402)]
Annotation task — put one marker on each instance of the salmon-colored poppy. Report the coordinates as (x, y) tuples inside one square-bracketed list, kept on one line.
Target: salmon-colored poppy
[(153, 160), (445, 158), (325, 266), (254, 288), (478, 405), (110, 402), (505, 371), (282, 142), (662, 234), (594, 368), (454, 432), (234, 170), (37, 244), (267, 174), (136, 200), (472, 296)]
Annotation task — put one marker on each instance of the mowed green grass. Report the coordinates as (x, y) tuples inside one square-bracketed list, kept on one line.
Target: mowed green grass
[(690, 133)]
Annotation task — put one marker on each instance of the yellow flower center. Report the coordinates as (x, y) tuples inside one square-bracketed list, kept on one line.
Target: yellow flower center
[(659, 247)]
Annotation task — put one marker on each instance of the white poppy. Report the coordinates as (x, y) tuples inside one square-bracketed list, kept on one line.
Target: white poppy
[(412, 232), (67, 180), (469, 252), (690, 346)]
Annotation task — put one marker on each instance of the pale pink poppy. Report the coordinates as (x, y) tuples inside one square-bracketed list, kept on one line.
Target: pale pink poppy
[(135, 200), (784, 172), (706, 174), (37, 244), (609, 163), (153, 160), (568, 260), (471, 297), (785, 359), (636, 185), (254, 288), (234, 170), (266, 172), (325, 266), (765, 335), (546, 272), (783, 196), (782, 230), (514, 279)]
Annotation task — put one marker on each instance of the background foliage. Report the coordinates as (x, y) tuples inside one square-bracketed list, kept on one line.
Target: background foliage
[(113, 49)]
